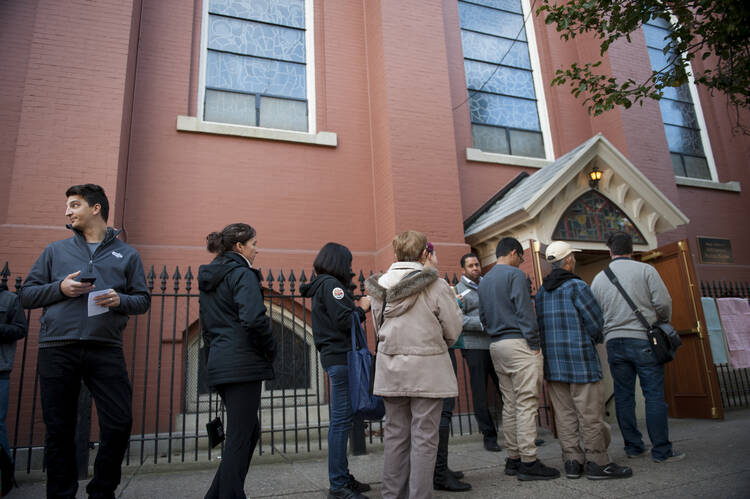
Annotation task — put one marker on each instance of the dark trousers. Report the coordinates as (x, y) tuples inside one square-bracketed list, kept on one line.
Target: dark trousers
[(243, 432), (627, 358), (480, 367), (448, 403), (102, 368)]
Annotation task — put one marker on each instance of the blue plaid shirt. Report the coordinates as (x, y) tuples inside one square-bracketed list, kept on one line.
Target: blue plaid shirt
[(570, 323)]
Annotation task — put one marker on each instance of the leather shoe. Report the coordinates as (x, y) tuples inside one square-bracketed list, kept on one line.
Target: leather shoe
[(492, 446), (451, 484), (456, 474)]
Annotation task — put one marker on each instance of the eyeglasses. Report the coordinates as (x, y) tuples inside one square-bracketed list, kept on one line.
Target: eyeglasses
[(520, 256), (430, 248)]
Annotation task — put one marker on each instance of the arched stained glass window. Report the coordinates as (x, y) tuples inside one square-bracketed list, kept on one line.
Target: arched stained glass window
[(592, 217)]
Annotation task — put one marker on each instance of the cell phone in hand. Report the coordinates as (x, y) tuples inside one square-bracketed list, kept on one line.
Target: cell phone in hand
[(88, 279)]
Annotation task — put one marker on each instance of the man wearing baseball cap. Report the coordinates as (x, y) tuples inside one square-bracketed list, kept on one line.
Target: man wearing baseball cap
[(570, 325)]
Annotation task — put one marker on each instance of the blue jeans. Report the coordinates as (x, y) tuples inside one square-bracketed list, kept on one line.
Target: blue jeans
[(339, 427), (628, 357), (4, 392)]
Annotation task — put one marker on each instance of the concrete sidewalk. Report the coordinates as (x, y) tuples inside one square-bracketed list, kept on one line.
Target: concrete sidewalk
[(717, 465)]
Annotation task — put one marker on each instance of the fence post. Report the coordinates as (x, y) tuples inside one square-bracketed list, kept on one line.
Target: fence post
[(83, 432), (357, 437)]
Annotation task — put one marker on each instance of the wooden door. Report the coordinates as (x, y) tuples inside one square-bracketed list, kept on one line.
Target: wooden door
[(691, 386)]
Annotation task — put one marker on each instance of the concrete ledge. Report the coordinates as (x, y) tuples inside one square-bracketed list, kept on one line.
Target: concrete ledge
[(193, 124), (504, 159), (708, 184)]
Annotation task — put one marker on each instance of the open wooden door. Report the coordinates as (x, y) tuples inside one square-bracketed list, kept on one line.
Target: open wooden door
[(691, 386)]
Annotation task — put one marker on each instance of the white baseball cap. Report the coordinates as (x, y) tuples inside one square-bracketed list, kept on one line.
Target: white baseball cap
[(559, 250)]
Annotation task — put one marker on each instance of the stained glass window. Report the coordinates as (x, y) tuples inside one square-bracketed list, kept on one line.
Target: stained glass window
[(256, 64), (502, 100), (593, 217), (677, 108)]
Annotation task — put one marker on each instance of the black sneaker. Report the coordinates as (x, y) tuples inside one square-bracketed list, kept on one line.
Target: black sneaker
[(512, 465), (611, 470), (642, 453), (537, 471), (573, 469), (674, 456), (357, 486), (345, 493)]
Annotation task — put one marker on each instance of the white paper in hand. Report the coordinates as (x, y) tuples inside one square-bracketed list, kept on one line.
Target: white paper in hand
[(95, 309)]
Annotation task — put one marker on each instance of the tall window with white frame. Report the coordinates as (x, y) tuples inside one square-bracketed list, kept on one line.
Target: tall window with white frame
[(677, 109), (255, 63), (502, 100)]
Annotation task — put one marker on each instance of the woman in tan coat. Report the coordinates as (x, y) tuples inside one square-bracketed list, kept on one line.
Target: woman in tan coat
[(413, 371)]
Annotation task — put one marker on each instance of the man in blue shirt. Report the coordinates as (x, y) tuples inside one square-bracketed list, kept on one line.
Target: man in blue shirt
[(570, 323)]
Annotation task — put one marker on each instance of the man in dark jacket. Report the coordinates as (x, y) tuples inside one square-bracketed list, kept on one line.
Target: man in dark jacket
[(12, 328), (476, 349), (507, 313), (80, 338), (570, 322)]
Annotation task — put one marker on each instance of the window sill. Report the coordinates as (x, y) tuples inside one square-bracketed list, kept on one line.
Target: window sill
[(504, 159), (193, 124), (708, 184)]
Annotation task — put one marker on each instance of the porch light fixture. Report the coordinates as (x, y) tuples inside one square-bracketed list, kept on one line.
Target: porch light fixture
[(595, 175)]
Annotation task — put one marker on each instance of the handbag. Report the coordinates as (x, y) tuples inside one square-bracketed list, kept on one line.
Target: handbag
[(662, 337), (360, 364), (215, 429)]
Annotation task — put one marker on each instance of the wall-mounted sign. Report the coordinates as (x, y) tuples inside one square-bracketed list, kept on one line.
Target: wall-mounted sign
[(715, 250)]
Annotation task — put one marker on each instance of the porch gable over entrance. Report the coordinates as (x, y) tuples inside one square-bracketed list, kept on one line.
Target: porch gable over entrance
[(530, 207)]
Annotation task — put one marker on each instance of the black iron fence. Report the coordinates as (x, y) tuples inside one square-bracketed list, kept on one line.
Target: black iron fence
[(725, 289), (171, 402), (734, 383)]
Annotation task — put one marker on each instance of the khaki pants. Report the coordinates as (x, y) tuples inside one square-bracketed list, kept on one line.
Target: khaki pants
[(410, 446), (519, 370), (579, 416)]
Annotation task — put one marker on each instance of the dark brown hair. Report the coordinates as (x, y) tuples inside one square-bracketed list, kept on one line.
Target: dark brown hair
[(221, 242), (92, 194)]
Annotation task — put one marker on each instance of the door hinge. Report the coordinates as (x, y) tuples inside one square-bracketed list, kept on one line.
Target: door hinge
[(714, 412)]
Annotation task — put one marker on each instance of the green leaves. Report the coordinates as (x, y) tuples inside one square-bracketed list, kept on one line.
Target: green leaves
[(716, 32)]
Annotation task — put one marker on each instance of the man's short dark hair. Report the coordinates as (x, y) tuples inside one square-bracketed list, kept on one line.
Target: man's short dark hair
[(506, 245), (92, 194), (466, 257), (621, 243)]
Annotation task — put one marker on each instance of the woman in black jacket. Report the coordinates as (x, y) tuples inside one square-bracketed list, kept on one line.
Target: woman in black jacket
[(332, 308), (240, 347)]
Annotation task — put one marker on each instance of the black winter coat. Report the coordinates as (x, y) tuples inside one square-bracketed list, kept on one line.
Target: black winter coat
[(332, 307), (236, 330)]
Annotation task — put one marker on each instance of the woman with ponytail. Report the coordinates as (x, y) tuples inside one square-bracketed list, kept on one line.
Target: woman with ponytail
[(241, 349)]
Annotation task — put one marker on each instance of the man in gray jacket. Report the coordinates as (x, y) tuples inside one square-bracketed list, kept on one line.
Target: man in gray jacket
[(476, 350), (507, 313), (81, 338), (628, 350)]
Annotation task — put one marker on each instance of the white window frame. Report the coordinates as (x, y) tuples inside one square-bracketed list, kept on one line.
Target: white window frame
[(705, 142), (309, 70), (475, 154), (702, 125), (536, 76)]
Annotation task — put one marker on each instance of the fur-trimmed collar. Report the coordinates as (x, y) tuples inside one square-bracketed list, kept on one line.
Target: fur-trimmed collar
[(404, 288)]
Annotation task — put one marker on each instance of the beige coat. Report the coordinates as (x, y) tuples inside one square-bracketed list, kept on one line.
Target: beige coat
[(421, 320)]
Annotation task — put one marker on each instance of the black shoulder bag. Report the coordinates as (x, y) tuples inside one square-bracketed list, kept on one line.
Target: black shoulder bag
[(662, 337)]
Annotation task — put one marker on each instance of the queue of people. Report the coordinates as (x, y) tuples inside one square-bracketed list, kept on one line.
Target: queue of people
[(90, 283)]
